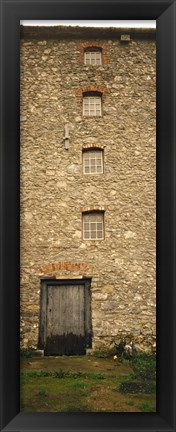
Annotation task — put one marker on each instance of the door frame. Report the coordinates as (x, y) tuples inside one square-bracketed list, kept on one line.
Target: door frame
[(52, 281)]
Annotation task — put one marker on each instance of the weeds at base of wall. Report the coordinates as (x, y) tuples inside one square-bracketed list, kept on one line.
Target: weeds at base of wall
[(30, 352), (26, 353), (104, 353)]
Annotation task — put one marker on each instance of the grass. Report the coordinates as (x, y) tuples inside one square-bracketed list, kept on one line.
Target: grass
[(63, 374), (148, 406), (26, 353), (85, 384), (143, 377)]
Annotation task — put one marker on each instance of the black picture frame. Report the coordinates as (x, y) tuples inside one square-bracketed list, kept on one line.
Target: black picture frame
[(11, 13)]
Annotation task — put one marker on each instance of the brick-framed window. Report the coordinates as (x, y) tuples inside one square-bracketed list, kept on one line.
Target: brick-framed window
[(93, 225), (92, 104), (93, 56), (93, 161)]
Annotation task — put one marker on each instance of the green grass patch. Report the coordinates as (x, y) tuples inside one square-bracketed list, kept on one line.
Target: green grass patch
[(77, 385), (143, 377), (63, 374), (42, 393), (26, 353), (104, 353), (144, 366), (148, 406)]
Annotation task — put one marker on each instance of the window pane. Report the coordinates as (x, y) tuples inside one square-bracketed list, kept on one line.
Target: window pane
[(93, 226), (93, 234), (86, 218), (99, 234), (86, 226), (99, 226), (86, 234), (100, 217), (99, 169), (93, 218)]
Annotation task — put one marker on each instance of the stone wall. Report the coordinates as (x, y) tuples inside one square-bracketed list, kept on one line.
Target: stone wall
[(54, 190)]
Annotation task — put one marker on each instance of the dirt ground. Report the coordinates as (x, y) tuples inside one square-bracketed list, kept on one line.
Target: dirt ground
[(74, 363), (74, 384)]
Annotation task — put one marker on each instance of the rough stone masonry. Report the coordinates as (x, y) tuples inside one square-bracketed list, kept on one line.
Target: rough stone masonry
[(55, 192)]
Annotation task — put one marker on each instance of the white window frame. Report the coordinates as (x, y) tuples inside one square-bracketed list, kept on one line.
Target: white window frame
[(93, 57), (93, 225), (92, 161), (90, 104)]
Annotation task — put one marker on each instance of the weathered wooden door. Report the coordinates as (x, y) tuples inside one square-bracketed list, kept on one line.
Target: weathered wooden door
[(65, 320)]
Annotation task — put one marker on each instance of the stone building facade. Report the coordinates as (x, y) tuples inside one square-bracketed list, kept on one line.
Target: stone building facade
[(88, 147)]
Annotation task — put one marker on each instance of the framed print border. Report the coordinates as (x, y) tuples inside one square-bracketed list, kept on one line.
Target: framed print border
[(11, 13)]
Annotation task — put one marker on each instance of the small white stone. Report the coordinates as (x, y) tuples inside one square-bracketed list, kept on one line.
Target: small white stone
[(82, 246), (129, 235), (78, 119)]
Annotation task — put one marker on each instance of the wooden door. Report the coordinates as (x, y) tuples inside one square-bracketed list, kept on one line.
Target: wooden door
[(65, 320)]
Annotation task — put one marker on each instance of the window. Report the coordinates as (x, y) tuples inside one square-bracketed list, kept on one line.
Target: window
[(93, 161), (93, 226), (92, 105), (93, 57)]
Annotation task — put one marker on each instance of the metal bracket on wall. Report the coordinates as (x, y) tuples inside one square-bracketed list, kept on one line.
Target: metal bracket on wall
[(66, 137)]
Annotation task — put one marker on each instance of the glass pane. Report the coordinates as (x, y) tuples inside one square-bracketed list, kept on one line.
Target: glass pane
[(99, 226), (86, 235), (86, 162), (100, 218), (93, 226), (86, 218), (99, 234), (86, 226), (93, 234), (93, 218), (86, 169), (99, 169), (92, 161), (92, 169)]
